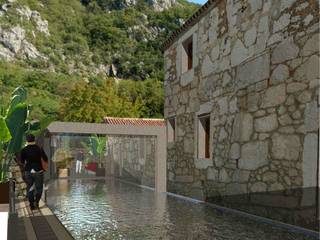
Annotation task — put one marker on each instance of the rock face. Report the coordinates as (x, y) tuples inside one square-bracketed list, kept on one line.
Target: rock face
[(15, 44), (160, 5), (5, 53), (42, 25), (13, 39), (157, 5), (258, 70)]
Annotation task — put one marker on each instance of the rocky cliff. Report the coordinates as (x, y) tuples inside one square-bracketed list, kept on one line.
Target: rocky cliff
[(116, 38), (50, 47)]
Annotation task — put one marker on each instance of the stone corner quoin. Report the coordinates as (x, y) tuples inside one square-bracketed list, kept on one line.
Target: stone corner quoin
[(256, 64)]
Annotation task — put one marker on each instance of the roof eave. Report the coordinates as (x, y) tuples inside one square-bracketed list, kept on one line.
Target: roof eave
[(194, 19)]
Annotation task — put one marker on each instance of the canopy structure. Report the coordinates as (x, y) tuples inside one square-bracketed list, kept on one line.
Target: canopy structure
[(115, 128)]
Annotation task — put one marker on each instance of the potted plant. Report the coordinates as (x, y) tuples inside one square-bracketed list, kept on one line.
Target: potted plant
[(98, 148), (62, 158)]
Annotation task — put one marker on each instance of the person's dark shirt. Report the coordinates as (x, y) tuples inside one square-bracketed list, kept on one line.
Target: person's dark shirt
[(31, 157), (80, 156)]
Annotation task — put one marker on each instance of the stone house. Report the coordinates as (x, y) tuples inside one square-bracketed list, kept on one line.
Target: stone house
[(241, 105)]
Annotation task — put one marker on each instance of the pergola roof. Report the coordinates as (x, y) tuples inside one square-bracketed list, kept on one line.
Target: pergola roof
[(107, 128)]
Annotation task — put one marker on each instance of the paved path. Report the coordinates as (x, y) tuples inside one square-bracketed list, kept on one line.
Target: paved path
[(39, 224)]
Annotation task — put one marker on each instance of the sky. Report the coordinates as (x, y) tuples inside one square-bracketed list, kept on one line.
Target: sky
[(198, 1)]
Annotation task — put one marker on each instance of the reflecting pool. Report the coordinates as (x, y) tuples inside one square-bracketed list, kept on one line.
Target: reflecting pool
[(110, 209)]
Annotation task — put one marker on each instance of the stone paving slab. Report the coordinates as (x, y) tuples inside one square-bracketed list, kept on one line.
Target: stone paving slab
[(39, 224)]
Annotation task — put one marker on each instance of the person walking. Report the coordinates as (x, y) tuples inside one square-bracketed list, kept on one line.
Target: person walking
[(31, 157)]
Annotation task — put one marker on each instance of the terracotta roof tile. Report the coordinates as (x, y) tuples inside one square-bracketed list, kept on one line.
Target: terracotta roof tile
[(134, 121)]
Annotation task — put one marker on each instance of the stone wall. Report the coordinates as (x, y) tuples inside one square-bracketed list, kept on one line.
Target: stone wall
[(256, 71), (132, 158)]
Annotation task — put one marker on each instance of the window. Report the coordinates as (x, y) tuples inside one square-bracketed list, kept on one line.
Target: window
[(171, 129), (187, 55), (204, 136)]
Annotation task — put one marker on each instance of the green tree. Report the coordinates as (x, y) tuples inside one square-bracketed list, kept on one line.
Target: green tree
[(91, 103), (149, 93)]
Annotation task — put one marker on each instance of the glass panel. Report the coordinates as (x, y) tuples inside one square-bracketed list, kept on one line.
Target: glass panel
[(131, 158)]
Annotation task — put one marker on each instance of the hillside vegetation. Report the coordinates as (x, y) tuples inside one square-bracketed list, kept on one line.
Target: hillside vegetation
[(58, 49)]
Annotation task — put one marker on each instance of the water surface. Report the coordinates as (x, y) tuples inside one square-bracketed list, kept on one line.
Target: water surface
[(110, 209)]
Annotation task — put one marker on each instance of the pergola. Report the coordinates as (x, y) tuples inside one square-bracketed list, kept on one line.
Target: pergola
[(132, 127)]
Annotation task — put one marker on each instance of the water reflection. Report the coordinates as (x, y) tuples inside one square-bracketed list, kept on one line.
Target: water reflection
[(98, 209)]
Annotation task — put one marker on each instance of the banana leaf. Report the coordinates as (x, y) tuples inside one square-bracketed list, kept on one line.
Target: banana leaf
[(16, 124), (98, 146), (5, 135), (19, 95), (93, 143), (20, 91), (12, 129)]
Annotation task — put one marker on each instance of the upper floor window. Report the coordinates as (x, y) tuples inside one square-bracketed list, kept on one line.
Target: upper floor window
[(187, 55)]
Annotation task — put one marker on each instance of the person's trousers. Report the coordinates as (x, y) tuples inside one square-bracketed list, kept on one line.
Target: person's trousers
[(78, 166), (34, 186)]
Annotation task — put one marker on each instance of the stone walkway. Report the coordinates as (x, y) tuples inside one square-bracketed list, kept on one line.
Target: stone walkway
[(32, 225)]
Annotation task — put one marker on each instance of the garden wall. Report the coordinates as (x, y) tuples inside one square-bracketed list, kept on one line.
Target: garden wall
[(132, 158)]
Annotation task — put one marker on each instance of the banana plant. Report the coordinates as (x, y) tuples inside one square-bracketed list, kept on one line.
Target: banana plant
[(98, 147), (15, 120), (5, 137)]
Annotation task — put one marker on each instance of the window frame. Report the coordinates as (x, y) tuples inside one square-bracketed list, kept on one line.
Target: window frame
[(171, 129), (187, 55), (203, 136)]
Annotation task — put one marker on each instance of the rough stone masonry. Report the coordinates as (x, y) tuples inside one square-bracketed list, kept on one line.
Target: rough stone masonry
[(132, 158), (255, 70)]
